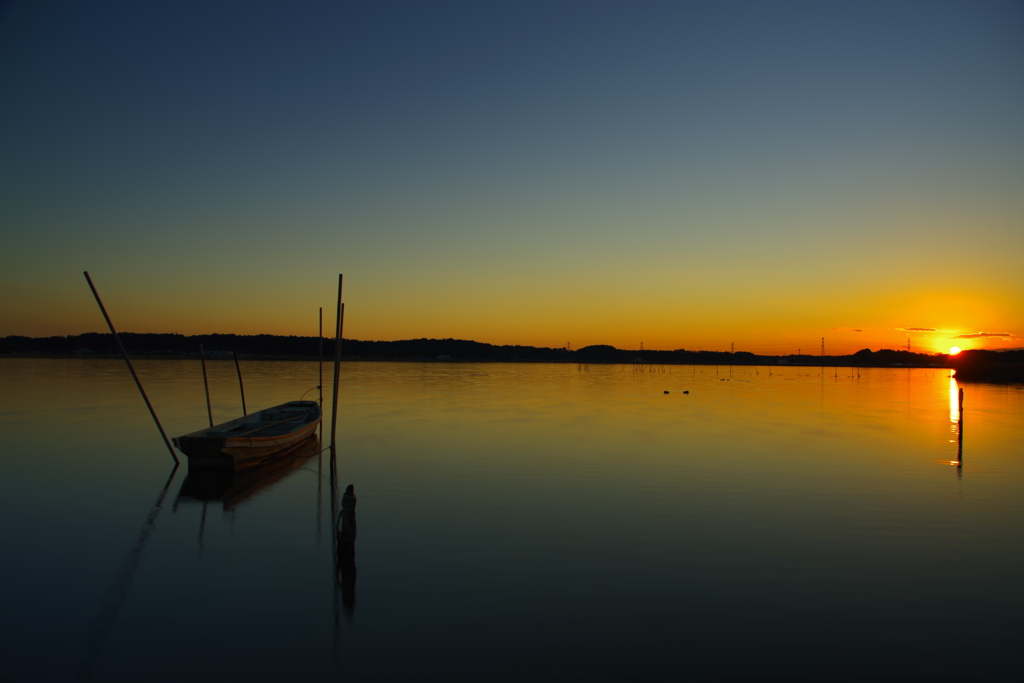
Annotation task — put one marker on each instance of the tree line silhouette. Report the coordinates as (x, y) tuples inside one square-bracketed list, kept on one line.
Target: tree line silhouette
[(977, 363)]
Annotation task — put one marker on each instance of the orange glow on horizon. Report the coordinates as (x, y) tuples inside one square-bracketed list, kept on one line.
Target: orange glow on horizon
[(535, 312)]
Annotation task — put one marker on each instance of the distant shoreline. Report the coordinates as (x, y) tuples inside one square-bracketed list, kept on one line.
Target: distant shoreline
[(774, 361), (971, 365)]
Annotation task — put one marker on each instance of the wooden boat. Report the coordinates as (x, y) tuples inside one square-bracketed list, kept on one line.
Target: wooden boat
[(253, 439)]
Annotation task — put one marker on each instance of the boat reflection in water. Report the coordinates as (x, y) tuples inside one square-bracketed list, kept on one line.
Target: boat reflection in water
[(234, 487)]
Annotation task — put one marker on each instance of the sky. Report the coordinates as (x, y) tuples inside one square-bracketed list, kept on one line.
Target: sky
[(677, 174)]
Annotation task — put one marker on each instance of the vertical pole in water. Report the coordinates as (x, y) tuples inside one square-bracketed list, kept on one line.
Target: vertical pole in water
[(130, 368), (334, 460), (320, 454), (241, 387), (206, 385), (320, 384), (337, 362)]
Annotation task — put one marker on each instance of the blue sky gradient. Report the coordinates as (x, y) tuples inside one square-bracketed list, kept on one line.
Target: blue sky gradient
[(684, 174)]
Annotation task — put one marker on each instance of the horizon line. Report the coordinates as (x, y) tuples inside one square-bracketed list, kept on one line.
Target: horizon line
[(566, 348)]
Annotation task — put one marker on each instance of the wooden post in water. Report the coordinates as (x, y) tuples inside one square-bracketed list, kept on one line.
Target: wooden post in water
[(206, 385), (241, 387), (130, 368), (337, 363), (320, 384)]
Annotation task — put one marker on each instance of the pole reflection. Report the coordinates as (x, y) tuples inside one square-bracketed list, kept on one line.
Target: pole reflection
[(118, 591), (954, 402)]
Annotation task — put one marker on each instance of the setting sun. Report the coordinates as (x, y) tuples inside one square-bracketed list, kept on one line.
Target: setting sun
[(954, 350)]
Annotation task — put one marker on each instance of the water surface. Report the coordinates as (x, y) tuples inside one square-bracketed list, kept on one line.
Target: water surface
[(518, 521)]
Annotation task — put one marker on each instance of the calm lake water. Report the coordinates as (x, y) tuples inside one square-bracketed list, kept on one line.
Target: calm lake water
[(517, 522)]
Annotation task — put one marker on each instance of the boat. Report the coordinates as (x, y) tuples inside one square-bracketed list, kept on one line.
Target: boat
[(253, 439)]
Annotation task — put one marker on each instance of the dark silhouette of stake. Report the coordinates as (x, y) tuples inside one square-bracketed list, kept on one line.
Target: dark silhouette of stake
[(339, 326), (343, 538), (320, 384), (241, 387), (346, 552), (206, 385), (130, 368)]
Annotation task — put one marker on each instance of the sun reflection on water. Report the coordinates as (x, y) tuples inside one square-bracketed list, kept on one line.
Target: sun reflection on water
[(954, 404)]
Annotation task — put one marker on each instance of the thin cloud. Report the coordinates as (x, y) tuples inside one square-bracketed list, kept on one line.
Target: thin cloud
[(843, 329), (917, 329), (977, 335)]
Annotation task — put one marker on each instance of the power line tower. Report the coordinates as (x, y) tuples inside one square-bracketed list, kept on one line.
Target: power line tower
[(733, 348), (908, 344), (823, 346)]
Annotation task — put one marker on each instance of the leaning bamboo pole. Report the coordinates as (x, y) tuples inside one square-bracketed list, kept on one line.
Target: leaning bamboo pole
[(241, 387), (206, 385), (130, 368)]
